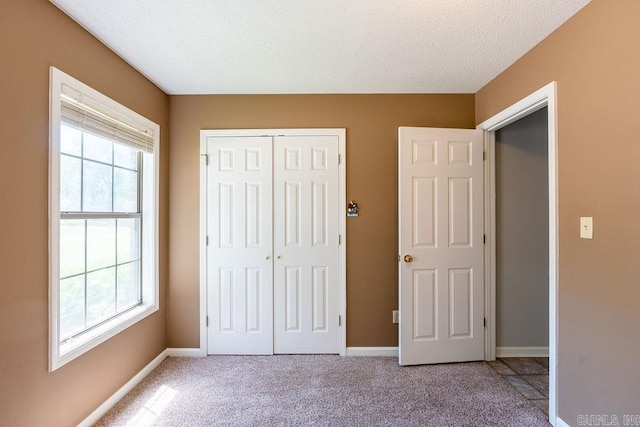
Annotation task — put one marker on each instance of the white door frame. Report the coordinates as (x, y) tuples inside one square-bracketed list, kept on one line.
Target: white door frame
[(342, 226), (544, 97)]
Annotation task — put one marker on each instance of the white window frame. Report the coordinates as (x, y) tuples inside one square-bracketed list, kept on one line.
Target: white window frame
[(60, 354)]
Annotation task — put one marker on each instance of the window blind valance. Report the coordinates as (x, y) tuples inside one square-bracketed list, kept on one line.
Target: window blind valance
[(80, 111)]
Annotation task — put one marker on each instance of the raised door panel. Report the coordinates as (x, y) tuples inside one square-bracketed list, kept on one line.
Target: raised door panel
[(292, 303), (424, 212), (460, 303), (460, 213), (320, 299), (425, 305)]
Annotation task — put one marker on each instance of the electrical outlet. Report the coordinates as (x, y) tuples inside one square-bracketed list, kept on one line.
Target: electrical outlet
[(395, 316)]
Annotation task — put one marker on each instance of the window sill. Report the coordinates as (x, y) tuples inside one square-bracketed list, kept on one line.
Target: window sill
[(79, 345)]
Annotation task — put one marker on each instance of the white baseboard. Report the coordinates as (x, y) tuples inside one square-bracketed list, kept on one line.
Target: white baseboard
[(522, 351), (373, 351), (118, 395), (560, 423), (185, 352)]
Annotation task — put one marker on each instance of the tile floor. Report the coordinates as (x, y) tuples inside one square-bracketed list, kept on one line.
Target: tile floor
[(529, 375)]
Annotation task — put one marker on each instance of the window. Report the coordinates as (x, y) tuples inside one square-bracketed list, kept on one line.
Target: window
[(103, 218)]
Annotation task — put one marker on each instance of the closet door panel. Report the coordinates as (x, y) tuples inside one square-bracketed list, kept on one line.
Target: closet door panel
[(305, 177), (239, 227)]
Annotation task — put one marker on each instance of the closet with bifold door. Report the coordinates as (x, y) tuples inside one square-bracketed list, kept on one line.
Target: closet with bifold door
[(271, 224)]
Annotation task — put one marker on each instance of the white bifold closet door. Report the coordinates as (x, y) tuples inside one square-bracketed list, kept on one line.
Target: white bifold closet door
[(273, 255), (239, 264), (305, 207)]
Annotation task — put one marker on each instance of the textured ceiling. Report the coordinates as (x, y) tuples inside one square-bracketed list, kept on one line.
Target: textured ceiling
[(320, 46)]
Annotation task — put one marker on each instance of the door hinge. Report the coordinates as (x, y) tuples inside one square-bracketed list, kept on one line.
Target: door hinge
[(206, 159), (207, 321), (339, 159), (484, 155), (485, 322), (207, 241), (484, 239), (339, 320), (339, 239)]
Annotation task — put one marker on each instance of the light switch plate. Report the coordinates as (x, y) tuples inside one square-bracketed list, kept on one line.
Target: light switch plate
[(586, 227)]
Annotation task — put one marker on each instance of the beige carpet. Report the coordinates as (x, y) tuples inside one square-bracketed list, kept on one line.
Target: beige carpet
[(321, 391)]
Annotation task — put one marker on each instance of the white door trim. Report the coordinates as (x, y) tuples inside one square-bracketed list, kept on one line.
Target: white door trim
[(544, 97), (341, 134)]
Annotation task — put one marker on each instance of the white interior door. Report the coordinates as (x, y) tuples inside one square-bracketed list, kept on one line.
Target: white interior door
[(441, 245), (239, 227), (306, 275)]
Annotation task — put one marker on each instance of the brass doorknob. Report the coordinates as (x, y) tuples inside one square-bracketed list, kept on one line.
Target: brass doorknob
[(408, 258)]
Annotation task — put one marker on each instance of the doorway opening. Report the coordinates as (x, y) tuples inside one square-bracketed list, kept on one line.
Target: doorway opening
[(522, 237), (522, 256), (545, 97)]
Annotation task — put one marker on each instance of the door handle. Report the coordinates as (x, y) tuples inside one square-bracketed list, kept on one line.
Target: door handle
[(279, 256), (267, 257), (408, 258)]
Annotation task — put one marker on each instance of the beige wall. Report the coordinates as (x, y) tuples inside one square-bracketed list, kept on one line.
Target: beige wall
[(33, 35), (595, 59), (372, 124)]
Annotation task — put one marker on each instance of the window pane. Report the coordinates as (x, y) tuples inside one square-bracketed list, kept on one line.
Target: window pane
[(97, 148), (128, 285), (71, 247), (71, 306), (96, 187), (125, 190), (101, 295), (128, 240), (70, 184), (70, 140), (101, 243), (125, 156)]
